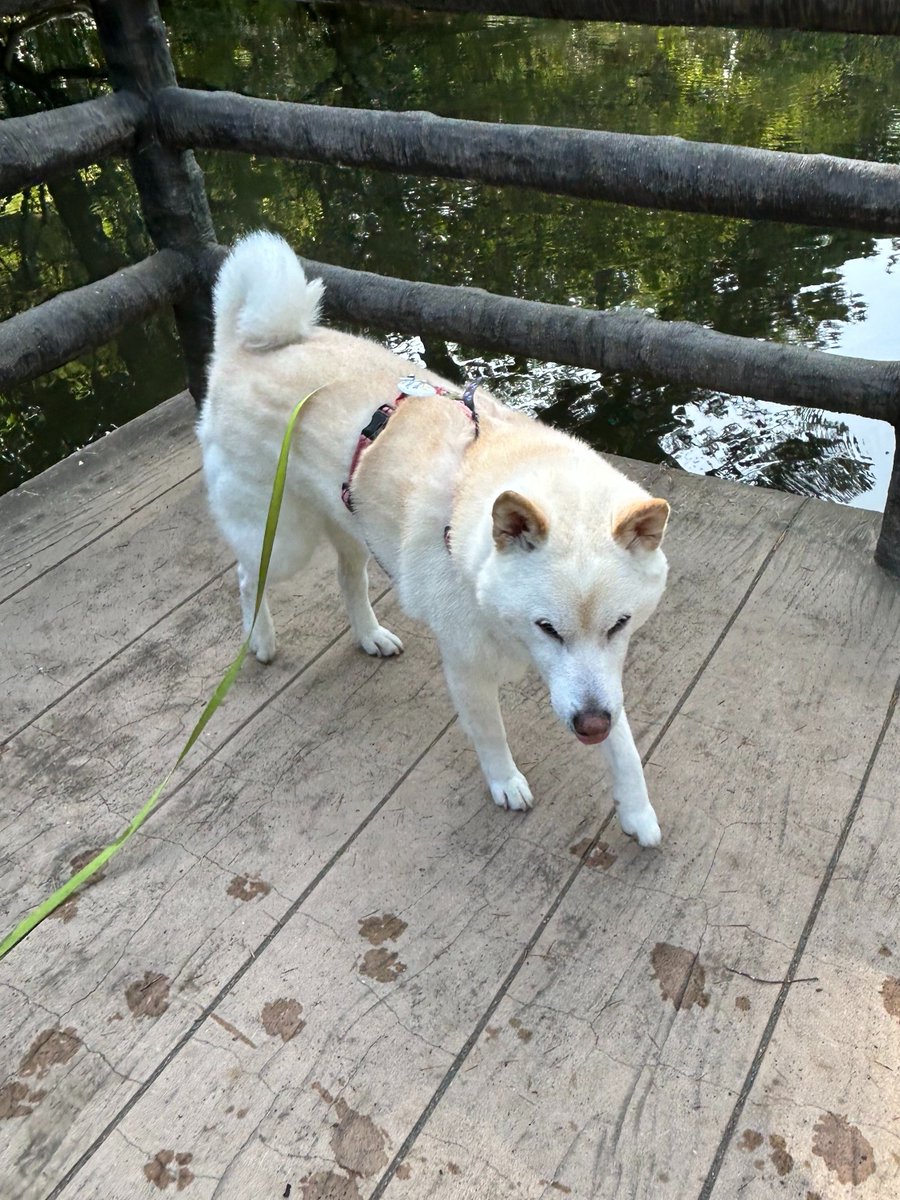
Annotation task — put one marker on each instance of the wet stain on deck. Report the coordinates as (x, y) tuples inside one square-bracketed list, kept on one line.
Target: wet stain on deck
[(168, 1167), (328, 1185), (382, 965), (377, 930), (18, 1100), (357, 1143), (248, 887), (51, 1048), (783, 1161), (844, 1148), (148, 997), (680, 975), (282, 1018), (358, 1146), (600, 856), (890, 996), (750, 1140)]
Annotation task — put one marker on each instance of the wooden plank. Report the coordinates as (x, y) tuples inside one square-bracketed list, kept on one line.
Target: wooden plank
[(823, 1116), (110, 741), (69, 506), (470, 885), (164, 558), (64, 625), (194, 897), (639, 1031)]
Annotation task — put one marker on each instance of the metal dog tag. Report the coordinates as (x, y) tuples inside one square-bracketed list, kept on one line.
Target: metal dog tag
[(410, 386)]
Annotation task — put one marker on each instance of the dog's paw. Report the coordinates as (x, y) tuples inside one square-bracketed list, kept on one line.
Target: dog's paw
[(513, 794), (643, 825), (263, 646), (381, 643)]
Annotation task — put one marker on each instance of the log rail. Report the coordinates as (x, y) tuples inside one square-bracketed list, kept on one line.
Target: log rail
[(158, 125), (43, 145), (72, 323), (642, 170), (818, 16)]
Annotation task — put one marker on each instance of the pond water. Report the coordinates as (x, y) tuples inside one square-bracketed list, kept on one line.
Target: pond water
[(836, 290)]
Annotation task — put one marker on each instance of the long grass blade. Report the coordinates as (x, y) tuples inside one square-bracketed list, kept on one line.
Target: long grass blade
[(62, 894)]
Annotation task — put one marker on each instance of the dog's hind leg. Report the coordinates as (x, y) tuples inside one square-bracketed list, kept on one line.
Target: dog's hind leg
[(290, 553), (477, 701), (262, 639), (354, 582), (636, 815)]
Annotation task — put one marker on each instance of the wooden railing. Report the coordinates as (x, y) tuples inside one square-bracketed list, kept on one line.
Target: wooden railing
[(826, 16), (158, 124)]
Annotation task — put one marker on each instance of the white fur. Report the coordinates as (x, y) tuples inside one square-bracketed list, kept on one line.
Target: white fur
[(483, 599)]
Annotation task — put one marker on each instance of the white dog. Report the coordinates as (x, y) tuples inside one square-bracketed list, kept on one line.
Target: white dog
[(515, 543)]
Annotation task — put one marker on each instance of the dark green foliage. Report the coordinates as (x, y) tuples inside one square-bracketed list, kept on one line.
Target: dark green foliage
[(801, 92)]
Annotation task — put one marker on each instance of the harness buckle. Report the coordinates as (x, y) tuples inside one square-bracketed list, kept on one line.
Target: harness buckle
[(380, 418)]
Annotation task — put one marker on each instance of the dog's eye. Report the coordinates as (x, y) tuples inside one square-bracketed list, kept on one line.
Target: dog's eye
[(546, 627), (620, 624)]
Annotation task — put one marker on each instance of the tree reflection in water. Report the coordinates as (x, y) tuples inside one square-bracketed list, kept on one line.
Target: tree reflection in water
[(806, 92)]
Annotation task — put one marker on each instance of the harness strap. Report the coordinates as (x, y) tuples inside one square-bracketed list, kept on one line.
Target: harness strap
[(381, 416)]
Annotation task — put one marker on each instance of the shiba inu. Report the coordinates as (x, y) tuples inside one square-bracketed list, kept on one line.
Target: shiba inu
[(515, 543)]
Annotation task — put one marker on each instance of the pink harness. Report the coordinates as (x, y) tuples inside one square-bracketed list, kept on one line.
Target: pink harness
[(408, 386)]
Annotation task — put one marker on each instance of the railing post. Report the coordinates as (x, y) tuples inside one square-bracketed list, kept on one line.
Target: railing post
[(170, 184), (887, 552)]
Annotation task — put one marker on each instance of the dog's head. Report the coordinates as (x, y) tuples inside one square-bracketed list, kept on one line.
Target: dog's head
[(573, 587)]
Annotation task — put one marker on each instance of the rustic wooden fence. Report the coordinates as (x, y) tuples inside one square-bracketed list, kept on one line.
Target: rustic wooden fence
[(158, 124)]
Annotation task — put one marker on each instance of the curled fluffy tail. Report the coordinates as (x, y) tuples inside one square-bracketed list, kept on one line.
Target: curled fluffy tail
[(262, 299)]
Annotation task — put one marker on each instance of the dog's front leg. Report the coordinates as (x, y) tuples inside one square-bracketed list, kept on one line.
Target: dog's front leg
[(478, 703), (633, 805)]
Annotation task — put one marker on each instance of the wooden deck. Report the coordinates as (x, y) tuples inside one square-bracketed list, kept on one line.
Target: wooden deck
[(329, 967)]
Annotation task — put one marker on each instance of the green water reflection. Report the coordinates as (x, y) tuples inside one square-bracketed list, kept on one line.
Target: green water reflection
[(836, 290)]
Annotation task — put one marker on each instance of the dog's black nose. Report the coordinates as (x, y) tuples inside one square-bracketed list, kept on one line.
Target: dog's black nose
[(592, 727)]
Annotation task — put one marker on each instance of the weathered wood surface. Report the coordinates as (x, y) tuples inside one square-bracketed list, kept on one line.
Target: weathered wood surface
[(327, 925), (648, 1037), (636, 341), (822, 1117), (840, 16), (55, 515), (170, 184), (44, 337), (837, 16), (887, 549), (42, 145), (650, 171)]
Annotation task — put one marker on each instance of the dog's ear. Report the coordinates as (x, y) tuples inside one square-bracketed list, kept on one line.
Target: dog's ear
[(517, 522), (642, 523)]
